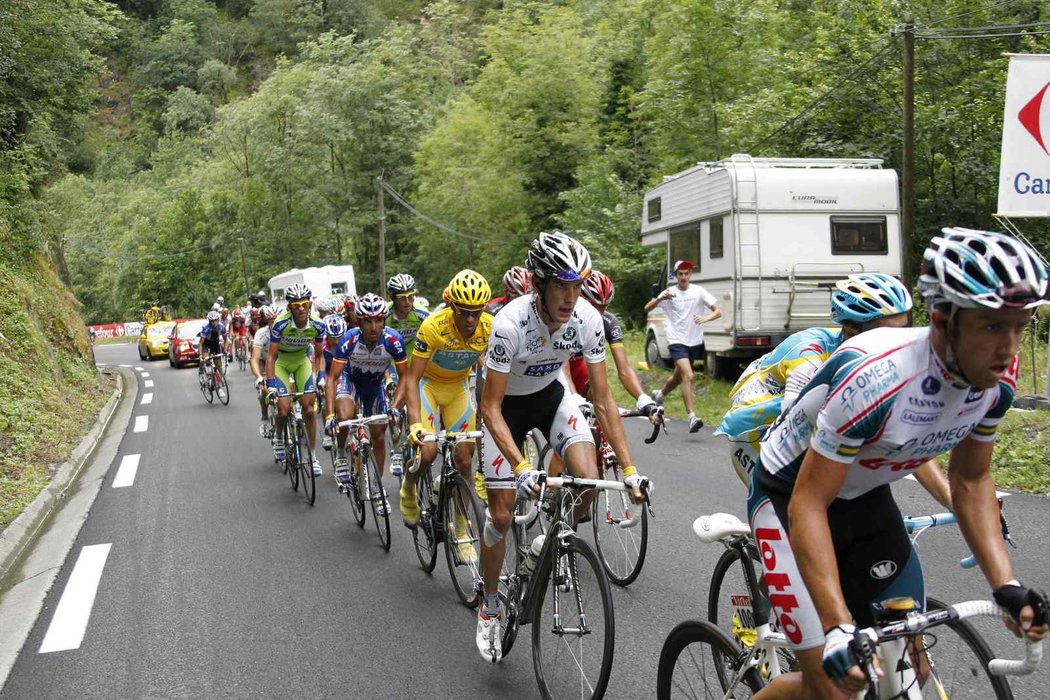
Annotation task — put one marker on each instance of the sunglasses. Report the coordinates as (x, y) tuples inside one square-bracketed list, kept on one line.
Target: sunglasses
[(305, 303), (404, 295), (469, 313)]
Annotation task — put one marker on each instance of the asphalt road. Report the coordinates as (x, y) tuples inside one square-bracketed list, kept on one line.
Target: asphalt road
[(220, 581)]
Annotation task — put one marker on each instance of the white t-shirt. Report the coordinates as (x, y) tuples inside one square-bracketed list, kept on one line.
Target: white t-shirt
[(681, 329)]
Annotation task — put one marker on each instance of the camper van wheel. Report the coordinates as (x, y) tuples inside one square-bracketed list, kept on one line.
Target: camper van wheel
[(711, 365), (652, 353)]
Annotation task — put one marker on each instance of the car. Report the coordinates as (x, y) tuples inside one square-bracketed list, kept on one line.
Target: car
[(153, 340), (183, 346)]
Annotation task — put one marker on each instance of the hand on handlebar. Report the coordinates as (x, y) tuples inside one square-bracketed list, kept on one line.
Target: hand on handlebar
[(416, 431), (640, 487), (1029, 610), (842, 658), (528, 480)]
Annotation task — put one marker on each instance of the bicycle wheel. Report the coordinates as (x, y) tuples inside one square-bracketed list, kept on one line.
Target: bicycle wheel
[(958, 659), (377, 498), (689, 670), (460, 504), (222, 389), (306, 464), (513, 578), (621, 531), (424, 536), (355, 492), (291, 455), (573, 628)]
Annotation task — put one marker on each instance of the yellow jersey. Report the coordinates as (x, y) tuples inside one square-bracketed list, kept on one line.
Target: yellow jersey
[(450, 357)]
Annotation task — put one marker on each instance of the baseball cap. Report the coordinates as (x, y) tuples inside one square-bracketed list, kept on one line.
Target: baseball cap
[(683, 265)]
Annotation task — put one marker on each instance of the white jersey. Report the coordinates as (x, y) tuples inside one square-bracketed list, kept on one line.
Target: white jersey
[(680, 309), (262, 339), (522, 346), (883, 403)]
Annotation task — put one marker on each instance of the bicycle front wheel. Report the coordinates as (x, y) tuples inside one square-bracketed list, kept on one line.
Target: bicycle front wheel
[(355, 492), (513, 577), (621, 532), (573, 627), (463, 520), (291, 454), (306, 464), (957, 658), (377, 496), (424, 536), (222, 389), (699, 660)]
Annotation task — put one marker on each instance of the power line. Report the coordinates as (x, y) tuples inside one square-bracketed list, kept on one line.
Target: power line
[(992, 35), (437, 224), (972, 12), (989, 28)]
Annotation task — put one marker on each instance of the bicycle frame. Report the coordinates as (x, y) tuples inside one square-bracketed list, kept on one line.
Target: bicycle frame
[(359, 437)]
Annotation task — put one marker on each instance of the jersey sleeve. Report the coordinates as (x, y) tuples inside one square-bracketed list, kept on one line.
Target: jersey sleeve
[(423, 346), (593, 338), (395, 345), (986, 428), (345, 346), (277, 331), (708, 298), (319, 329), (503, 344), (613, 329)]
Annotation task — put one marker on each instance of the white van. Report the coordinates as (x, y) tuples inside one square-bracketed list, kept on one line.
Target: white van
[(769, 237), (322, 281)]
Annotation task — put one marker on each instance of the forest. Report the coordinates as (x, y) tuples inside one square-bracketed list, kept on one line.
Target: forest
[(146, 145)]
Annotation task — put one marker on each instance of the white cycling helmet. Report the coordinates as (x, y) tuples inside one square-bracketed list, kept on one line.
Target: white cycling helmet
[(867, 296), (297, 292), (555, 255), (213, 315), (402, 283)]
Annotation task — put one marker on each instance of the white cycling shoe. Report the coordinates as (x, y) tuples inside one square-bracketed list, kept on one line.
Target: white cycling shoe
[(490, 645)]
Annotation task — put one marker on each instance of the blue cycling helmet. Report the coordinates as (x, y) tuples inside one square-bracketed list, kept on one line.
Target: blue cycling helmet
[(335, 325), (372, 306), (867, 296), (982, 269)]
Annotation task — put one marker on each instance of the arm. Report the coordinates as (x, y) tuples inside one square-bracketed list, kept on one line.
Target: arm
[(716, 313), (271, 359), (253, 361), (608, 414), (977, 509), (654, 302), (332, 386), (492, 414), (623, 370), (410, 382), (933, 480), (399, 392)]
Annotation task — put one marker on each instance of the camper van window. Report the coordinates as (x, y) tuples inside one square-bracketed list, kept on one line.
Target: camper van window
[(278, 294), (685, 243), (339, 288), (652, 209), (715, 238), (856, 236)]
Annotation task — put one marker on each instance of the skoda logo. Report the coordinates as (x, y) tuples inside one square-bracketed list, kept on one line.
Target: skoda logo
[(884, 569), (930, 386), (570, 333)]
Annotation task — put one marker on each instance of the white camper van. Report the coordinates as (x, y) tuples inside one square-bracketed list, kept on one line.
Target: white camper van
[(769, 237), (322, 281)]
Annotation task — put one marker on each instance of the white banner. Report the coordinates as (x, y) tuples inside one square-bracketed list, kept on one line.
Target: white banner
[(1024, 166)]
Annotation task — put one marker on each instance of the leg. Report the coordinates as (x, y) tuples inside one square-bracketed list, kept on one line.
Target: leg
[(378, 433), (684, 370)]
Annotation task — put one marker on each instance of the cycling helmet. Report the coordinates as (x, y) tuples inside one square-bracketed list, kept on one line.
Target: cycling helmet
[(215, 306), (254, 313), (213, 315), (516, 281), (224, 311), (468, 288), (237, 313), (559, 256), (864, 297), (270, 312), (334, 325), (297, 292), (982, 269), (372, 306), (220, 301), (402, 283), (599, 289)]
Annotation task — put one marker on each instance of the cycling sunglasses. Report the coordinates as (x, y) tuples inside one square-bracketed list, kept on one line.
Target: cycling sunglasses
[(468, 312), (403, 295), (303, 303)]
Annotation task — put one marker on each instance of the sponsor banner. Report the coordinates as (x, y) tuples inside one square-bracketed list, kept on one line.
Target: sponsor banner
[(1024, 166), (116, 330)]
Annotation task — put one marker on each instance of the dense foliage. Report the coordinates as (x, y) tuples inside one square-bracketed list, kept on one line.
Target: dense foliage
[(266, 122)]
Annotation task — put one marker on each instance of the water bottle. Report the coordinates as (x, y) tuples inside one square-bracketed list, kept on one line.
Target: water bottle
[(532, 556), (434, 491)]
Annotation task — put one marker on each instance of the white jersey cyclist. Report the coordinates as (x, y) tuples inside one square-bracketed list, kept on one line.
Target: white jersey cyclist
[(262, 339)]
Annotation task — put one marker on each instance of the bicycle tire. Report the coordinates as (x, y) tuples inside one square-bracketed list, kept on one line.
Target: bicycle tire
[(685, 673), (291, 455), (957, 670), (465, 575), (376, 498), (624, 548), (550, 647), (355, 490), (222, 390), (306, 464), (424, 534), (512, 581)]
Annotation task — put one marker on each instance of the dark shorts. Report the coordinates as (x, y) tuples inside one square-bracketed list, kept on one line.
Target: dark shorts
[(693, 353)]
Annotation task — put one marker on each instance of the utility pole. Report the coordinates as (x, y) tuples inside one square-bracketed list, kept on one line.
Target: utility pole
[(244, 267), (908, 155), (382, 230)]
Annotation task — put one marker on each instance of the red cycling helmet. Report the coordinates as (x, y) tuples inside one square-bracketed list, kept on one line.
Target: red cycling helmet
[(598, 289)]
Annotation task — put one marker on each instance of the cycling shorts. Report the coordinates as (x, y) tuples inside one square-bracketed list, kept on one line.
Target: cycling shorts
[(875, 558), (367, 394), (552, 411), (296, 367), (448, 405), (241, 332)]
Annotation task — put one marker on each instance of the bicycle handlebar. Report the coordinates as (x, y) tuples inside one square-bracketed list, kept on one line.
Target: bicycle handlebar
[(377, 419), (451, 436), (916, 525), (660, 422)]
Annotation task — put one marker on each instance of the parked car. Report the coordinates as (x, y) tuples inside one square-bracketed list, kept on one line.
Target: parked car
[(183, 346), (153, 340)]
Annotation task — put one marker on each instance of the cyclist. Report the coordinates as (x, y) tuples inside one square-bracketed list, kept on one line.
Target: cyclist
[(292, 333), (346, 308), (516, 282), (260, 346), (254, 321), (359, 365), (335, 328), (525, 389), (882, 405), (448, 345), (239, 331), (212, 342), (406, 317)]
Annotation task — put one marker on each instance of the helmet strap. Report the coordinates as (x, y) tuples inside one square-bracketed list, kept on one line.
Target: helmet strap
[(951, 359)]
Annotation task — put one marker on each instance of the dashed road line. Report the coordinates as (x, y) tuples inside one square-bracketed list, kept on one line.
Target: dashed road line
[(141, 424), (147, 398), (129, 466), (145, 374), (148, 383), (73, 612), (140, 369), (124, 365)]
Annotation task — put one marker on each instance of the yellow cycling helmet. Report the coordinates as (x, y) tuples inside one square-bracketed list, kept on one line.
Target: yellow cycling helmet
[(468, 288)]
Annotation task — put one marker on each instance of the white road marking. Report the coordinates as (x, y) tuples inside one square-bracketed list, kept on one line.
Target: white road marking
[(911, 476), (129, 466), (145, 374), (74, 608), (141, 424), (140, 369), (125, 365), (147, 398), (148, 383)]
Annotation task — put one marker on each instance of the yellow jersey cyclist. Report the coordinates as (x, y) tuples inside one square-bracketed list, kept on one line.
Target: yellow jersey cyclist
[(525, 389), (437, 388), (292, 333), (833, 542)]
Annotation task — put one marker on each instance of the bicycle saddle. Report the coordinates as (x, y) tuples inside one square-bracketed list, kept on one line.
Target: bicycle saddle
[(718, 526)]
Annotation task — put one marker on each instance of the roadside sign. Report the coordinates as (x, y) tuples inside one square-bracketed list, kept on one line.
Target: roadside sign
[(1024, 166)]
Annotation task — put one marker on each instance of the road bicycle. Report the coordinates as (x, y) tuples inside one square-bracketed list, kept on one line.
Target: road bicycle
[(449, 513), (212, 377), (739, 615), (398, 431), (298, 457), (241, 352), (366, 484), (557, 583)]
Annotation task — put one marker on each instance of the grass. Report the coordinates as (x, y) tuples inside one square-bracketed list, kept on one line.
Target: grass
[(1022, 452)]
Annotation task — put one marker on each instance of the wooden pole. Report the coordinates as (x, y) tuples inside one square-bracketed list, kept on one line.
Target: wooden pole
[(381, 212), (908, 155)]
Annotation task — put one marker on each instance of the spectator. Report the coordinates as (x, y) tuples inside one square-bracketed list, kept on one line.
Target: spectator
[(687, 307)]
